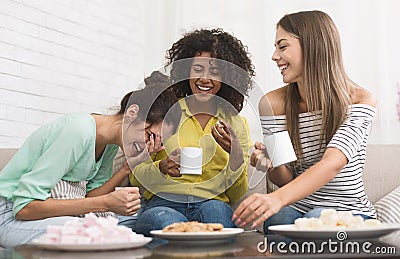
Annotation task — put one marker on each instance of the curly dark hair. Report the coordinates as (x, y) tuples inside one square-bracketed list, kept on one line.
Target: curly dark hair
[(231, 56)]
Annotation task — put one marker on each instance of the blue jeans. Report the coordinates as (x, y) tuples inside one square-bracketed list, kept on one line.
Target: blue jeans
[(287, 215), (161, 212), (15, 232), (130, 221)]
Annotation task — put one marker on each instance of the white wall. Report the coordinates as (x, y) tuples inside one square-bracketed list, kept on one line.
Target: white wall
[(62, 56), (368, 28)]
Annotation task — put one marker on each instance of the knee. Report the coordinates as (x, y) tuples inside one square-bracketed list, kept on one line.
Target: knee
[(160, 215), (215, 211), (314, 213), (157, 218), (215, 206), (286, 215), (128, 221)]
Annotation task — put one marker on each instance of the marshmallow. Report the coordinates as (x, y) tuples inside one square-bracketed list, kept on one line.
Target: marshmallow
[(331, 218), (90, 230)]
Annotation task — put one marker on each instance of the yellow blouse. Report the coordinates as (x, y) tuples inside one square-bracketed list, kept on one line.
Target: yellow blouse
[(217, 181)]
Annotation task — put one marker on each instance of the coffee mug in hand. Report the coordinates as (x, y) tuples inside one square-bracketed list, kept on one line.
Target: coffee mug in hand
[(191, 160), (279, 148)]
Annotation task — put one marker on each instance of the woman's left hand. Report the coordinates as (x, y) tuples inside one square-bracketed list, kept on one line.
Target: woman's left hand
[(155, 143), (226, 137), (222, 135), (256, 209)]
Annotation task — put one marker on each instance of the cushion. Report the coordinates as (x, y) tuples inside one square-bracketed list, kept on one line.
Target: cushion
[(388, 208)]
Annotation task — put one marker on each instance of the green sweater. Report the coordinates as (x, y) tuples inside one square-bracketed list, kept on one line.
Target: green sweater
[(61, 150)]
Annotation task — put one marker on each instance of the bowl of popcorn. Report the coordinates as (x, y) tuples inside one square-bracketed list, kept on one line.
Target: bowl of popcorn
[(90, 233), (334, 224)]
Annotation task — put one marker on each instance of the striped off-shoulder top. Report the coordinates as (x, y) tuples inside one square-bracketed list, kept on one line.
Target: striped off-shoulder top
[(346, 191)]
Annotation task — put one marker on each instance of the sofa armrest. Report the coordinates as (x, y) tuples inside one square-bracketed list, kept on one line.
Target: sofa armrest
[(381, 172), (6, 155)]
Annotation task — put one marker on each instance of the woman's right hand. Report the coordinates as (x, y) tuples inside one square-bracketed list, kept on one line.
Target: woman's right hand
[(259, 158), (170, 165), (125, 201), (256, 208)]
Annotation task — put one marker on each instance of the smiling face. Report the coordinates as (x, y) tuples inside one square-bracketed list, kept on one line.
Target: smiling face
[(136, 135), (205, 77), (288, 56), (136, 132)]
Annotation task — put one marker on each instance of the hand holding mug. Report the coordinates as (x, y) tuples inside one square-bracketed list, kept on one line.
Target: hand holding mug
[(124, 201), (259, 158), (170, 165)]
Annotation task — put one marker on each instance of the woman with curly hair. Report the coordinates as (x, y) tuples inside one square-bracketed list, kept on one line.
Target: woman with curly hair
[(211, 73)]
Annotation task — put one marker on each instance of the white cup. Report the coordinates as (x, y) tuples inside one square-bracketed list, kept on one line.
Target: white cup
[(191, 160), (279, 148)]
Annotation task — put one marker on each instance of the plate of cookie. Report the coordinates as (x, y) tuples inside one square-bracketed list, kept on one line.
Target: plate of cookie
[(196, 232)]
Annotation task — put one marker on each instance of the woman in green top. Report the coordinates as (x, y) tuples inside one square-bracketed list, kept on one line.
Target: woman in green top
[(80, 148)]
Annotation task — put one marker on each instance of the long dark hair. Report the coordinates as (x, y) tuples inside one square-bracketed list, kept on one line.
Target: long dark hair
[(155, 100), (237, 69)]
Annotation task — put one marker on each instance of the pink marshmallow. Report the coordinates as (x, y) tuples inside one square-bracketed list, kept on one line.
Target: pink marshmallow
[(90, 230)]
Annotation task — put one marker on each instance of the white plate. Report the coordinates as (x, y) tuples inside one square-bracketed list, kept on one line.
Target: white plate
[(338, 234), (198, 237), (92, 247)]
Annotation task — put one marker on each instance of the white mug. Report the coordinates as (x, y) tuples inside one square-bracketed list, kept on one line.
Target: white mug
[(279, 148), (191, 160)]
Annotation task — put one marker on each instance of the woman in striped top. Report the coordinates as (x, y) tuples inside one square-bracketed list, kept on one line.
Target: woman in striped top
[(328, 119)]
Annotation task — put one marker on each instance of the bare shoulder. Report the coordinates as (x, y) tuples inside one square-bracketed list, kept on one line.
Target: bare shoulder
[(273, 103), (363, 96)]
